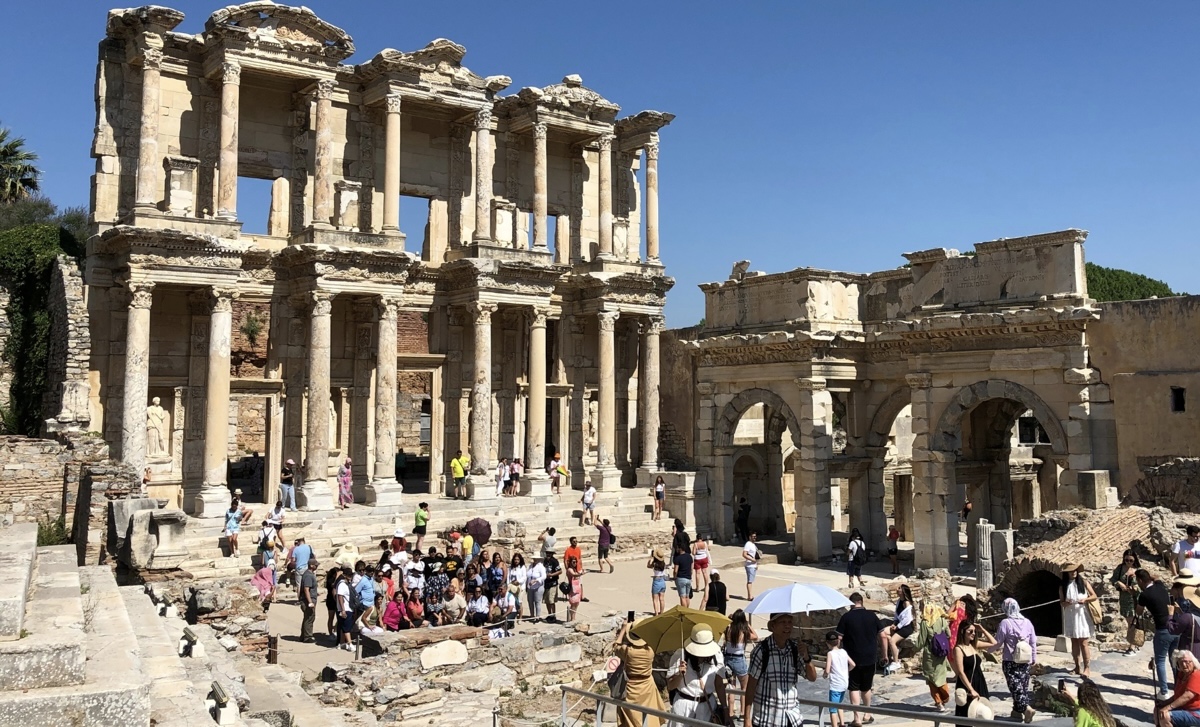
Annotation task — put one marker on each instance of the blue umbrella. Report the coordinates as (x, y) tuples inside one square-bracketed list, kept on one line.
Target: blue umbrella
[(798, 597)]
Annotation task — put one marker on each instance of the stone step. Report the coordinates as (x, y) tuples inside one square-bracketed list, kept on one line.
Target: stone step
[(305, 711), (17, 560), (175, 700), (114, 690), (50, 652)]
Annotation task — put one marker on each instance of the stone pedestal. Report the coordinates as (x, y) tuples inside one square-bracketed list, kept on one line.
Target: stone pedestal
[(1095, 492)]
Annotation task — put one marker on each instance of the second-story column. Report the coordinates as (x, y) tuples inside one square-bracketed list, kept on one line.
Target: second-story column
[(605, 206), (539, 188), (391, 175), (652, 202), (606, 473), (227, 161), (323, 173), (384, 489), (483, 176), (537, 482), (316, 493), (214, 495), (148, 187), (481, 398), (137, 374), (649, 378)]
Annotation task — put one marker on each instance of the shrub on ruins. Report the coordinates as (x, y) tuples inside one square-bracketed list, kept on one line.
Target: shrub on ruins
[(27, 256), (1111, 284)]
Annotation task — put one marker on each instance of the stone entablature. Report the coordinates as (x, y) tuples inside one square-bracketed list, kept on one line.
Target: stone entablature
[(535, 344)]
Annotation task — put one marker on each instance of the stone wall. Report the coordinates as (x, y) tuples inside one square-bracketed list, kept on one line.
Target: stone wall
[(413, 390), (1174, 485), (677, 411), (248, 359), (32, 485), (412, 332), (1143, 349)]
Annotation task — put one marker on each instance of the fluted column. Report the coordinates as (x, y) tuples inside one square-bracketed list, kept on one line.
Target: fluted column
[(605, 207), (649, 378), (536, 480), (652, 202), (606, 436), (214, 496), (149, 162), (137, 375), (323, 173), (539, 188), (483, 176), (391, 175), (481, 392), (227, 162), (384, 490), (315, 493)]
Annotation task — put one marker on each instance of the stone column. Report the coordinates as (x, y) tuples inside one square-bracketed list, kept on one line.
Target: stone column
[(384, 490), (323, 173), (652, 202), (391, 175), (148, 185), (539, 188), (606, 474), (214, 496), (536, 481), (983, 564), (935, 505), (481, 395), (605, 207), (648, 397), (227, 162), (315, 492), (813, 500), (137, 375), (483, 176)]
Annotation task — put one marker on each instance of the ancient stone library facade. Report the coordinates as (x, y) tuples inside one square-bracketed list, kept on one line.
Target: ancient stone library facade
[(989, 375), (520, 316)]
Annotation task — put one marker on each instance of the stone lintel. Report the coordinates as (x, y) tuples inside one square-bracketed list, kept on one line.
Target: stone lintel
[(925, 257), (1046, 239)]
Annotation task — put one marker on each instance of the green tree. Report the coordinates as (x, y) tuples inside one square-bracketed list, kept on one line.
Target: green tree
[(1111, 284), (38, 210), (18, 175)]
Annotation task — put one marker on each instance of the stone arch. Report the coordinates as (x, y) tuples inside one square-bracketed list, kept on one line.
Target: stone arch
[(748, 452), (885, 416), (946, 436), (727, 424)]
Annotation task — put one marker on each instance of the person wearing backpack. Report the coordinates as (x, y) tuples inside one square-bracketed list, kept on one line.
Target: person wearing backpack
[(345, 609), (1019, 641), (933, 644), (772, 696), (856, 558)]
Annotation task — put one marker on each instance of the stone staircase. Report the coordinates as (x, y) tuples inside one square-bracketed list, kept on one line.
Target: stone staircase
[(68, 653), (628, 512)]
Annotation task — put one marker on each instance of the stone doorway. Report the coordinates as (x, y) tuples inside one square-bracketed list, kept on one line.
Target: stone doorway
[(1037, 588)]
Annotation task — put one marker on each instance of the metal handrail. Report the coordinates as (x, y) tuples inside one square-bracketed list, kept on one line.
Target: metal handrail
[(822, 706)]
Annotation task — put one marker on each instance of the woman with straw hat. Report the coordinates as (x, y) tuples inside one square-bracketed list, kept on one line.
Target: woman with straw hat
[(698, 687), (1074, 594), (637, 658), (658, 579)]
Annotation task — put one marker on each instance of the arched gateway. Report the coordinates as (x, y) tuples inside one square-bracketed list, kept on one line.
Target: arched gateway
[(905, 392)]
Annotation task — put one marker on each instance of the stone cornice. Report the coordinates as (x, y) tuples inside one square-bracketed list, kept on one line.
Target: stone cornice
[(130, 22), (168, 244), (345, 265)]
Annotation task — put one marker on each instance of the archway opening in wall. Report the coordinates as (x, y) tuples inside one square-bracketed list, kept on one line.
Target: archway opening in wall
[(889, 495), (1035, 589), (1001, 461), (762, 445)]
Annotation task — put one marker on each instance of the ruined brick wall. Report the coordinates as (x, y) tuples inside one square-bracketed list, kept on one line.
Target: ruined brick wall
[(412, 332), (32, 481), (248, 358), (65, 405), (1174, 484), (413, 390)]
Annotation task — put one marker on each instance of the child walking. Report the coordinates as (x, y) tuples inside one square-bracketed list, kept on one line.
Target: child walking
[(837, 669)]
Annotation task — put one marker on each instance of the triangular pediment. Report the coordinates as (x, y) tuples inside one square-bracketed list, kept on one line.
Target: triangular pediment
[(266, 24)]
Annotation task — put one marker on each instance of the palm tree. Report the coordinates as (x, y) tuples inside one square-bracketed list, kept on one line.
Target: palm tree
[(18, 176)]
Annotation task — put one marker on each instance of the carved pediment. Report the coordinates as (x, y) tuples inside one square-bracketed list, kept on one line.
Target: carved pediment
[(128, 22), (572, 95), (438, 63), (264, 23)]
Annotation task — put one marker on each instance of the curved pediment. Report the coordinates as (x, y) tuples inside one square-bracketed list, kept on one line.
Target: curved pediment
[(265, 23)]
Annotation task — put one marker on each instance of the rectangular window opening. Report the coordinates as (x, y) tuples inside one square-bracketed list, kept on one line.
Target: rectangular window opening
[(254, 205), (551, 236), (414, 223), (1178, 399)]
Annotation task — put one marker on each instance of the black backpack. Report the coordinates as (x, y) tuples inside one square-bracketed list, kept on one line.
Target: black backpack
[(860, 553), (355, 599), (768, 644)]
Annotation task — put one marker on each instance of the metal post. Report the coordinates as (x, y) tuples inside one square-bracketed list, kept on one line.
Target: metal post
[(272, 649), (563, 719)]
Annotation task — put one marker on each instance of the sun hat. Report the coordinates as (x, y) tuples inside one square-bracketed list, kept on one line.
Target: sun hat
[(399, 533), (981, 708), (701, 643), (659, 554), (1186, 578), (514, 588), (238, 491), (1070, 567)]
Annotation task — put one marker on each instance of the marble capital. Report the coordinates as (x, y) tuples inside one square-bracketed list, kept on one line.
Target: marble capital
[(540, 131), (231, 72), (392, 102), (483, 119), (152, 59), (652, 151), (319, 302), (608, 319), (482, 312), (919, 380), (325, 89), (141, 294)]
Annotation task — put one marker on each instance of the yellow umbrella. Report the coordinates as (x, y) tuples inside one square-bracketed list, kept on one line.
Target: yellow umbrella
[(669, 630)]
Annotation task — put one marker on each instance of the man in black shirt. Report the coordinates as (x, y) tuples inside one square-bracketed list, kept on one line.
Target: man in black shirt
[(859, 629), (683, 575), (717, 597), (553, 572), (1156, 600)]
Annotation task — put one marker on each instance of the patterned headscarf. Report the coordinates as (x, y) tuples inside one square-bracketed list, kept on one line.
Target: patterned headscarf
[(1012, 609)]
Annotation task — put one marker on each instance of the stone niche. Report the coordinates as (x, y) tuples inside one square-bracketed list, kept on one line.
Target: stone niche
[(164, 435)]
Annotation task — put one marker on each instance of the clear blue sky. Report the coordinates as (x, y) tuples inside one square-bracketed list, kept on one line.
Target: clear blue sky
[(826, 134)]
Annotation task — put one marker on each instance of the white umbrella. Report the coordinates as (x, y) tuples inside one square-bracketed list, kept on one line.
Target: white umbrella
[(798, 597)]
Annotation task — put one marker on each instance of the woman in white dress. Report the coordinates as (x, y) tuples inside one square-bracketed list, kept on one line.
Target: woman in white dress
[(1074, 594), (698, 686)]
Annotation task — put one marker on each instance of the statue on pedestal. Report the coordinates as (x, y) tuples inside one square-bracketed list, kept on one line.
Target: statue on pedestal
[(157, 433)]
